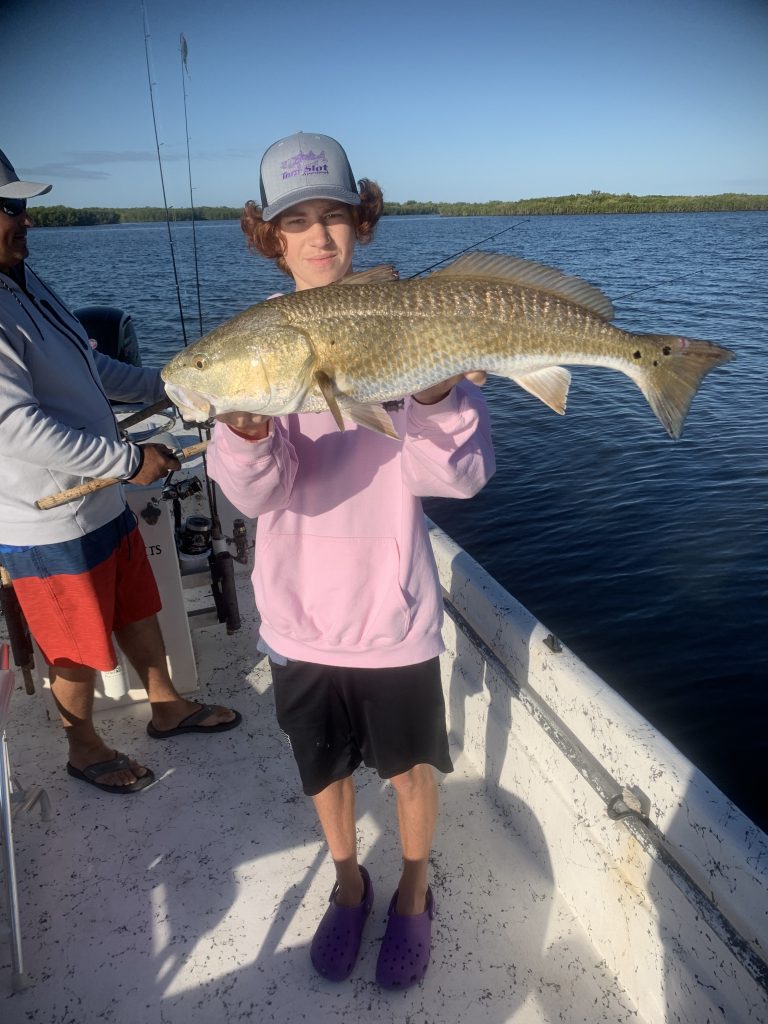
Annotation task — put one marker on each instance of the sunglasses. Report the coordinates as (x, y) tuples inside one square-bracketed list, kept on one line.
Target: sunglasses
[(13, 207)]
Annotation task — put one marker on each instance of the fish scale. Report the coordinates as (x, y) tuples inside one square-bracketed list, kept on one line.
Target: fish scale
[(405, 341), (369, 339)]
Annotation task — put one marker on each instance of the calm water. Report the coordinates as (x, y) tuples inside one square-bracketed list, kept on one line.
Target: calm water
[(647, 557)]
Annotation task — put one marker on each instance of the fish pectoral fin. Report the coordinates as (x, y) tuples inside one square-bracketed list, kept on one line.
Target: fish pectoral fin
[(384, 272), (549, 385), (374, 417), (325, 384)]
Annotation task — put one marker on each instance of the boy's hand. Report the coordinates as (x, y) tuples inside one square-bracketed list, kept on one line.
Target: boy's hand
[(247, 424), (438, 392)]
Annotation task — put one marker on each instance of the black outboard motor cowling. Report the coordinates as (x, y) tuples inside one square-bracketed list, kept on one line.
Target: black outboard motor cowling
[(113, 331)]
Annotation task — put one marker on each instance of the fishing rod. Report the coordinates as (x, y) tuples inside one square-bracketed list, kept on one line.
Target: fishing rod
[(162, 176), (220, 560), (184, 49), (99, 483), (184, 52), (482, 241)]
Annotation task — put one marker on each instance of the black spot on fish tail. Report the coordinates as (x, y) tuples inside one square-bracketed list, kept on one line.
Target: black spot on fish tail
[(670, 383)]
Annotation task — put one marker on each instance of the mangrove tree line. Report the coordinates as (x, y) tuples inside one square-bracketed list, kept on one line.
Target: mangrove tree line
[(593, 203)]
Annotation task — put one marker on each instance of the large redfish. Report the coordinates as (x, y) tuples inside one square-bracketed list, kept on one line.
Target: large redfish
[(369, 339)]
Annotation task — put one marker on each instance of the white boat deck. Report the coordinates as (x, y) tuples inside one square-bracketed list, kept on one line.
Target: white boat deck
[(196, 900)]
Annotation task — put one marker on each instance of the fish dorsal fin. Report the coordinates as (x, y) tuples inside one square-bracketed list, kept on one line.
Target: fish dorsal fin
[(375, 275), (549, 385), (528, 273), (374, 417), (325, 384)]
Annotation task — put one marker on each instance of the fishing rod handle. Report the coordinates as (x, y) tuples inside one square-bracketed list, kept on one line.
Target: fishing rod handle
[(96, 485), (142, 414)]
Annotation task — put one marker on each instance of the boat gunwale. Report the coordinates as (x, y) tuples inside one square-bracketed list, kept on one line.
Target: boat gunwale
[(609, 790), (579, 709)]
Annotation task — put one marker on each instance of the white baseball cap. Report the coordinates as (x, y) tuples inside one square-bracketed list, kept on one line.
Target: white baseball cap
[(12, 188), (305, 166)]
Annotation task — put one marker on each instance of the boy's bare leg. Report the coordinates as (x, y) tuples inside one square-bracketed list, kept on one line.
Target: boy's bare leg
[(417, 807), (335, 806)]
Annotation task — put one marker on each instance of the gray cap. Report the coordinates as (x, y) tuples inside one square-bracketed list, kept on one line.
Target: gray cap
[(305, 166), (12, 188)]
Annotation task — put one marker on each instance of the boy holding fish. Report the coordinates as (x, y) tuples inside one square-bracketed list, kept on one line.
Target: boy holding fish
[(345, 580)]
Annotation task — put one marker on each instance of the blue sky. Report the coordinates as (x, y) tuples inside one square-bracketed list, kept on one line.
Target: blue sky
[(441, 101)]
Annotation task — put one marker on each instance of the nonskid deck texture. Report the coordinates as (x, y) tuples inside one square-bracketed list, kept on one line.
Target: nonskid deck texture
[(196, 900)]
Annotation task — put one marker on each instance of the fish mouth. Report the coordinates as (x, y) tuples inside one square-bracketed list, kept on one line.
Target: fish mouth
[(191, 404)]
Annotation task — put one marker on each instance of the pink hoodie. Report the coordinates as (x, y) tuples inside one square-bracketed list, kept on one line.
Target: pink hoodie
[(344, 571)]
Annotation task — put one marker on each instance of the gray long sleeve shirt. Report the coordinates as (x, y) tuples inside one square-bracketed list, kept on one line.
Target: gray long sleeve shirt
[(57, 428)]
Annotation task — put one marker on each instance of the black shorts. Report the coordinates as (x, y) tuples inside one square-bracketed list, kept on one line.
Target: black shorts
[(337, 718)]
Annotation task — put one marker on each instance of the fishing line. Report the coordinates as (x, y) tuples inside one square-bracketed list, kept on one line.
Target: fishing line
[(618, 298), (445, 259), (657, 284), (162, 177)]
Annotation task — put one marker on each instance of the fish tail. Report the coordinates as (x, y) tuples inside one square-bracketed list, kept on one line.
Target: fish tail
[(670, 377)]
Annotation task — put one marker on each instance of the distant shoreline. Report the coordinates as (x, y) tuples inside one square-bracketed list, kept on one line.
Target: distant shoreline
[(587, 204)]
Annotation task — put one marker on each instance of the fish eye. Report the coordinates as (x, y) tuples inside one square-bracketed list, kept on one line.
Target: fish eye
[(201, 362)]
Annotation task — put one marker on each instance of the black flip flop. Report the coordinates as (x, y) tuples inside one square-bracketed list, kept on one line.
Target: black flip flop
[(118, 763), (191, 724)]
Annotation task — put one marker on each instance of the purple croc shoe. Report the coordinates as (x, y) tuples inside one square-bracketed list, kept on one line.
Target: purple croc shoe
[(404, 953), (336, 943)]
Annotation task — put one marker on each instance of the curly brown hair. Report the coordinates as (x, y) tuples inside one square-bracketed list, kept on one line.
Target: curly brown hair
[(265, 237)]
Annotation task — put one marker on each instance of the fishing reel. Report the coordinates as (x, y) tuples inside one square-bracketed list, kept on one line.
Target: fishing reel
[(195, 539), (181, 489), (240, 539), (205, 425), (177, 491)]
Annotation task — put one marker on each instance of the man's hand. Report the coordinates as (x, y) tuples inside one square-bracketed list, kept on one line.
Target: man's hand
[(430, 396), (157, 460), (247, 424)]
